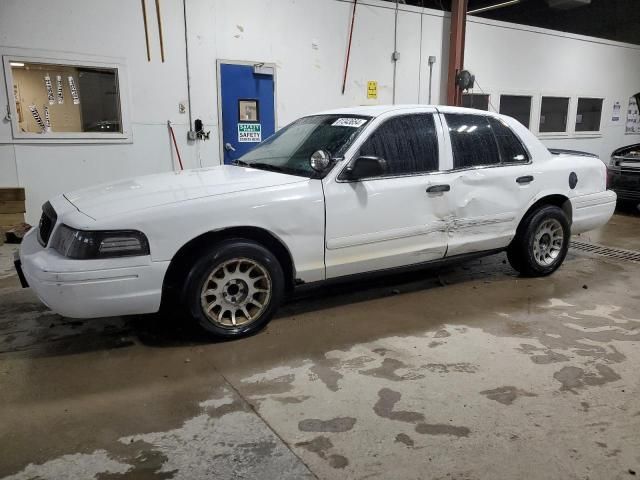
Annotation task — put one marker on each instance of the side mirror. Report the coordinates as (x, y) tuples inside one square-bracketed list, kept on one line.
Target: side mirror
[(320, 160), (366, 167)]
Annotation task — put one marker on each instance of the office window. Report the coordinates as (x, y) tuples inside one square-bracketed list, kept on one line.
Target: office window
[(408, 143), (516, 106), (472, 141), (475, 100), (55, 100), (553, 114), (588, 114)]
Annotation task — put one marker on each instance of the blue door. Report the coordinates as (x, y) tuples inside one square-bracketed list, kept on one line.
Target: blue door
[(248, 110)]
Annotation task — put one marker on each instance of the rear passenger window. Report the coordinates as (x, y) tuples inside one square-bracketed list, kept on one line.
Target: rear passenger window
[(472, 140), (408, 143), (510, 146)]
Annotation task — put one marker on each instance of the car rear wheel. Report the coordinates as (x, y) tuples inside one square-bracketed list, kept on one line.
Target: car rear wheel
[(541, 242), (234, 289)]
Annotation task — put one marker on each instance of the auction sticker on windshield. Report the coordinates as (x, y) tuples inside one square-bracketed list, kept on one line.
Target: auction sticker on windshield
[(249, 132), (349, 122)]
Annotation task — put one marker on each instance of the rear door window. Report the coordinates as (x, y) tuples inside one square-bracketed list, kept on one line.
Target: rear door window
[(510, 146), (408, 143), (472, 140)]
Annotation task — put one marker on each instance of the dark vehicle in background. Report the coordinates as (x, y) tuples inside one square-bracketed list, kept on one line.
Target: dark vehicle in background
[(623, 173)]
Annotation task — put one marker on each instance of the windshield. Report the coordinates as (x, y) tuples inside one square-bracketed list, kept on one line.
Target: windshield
[(289, 149)]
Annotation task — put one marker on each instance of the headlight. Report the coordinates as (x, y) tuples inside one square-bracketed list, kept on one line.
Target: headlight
[(614, 162), (82, 244)]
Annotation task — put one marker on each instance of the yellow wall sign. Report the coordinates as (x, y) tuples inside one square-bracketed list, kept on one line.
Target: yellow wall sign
[(372, 89)]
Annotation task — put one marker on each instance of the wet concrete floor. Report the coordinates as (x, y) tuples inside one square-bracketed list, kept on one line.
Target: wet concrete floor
[(467, 372)]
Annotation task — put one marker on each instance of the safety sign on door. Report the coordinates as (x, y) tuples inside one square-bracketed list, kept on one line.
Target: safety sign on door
[(249, 132)]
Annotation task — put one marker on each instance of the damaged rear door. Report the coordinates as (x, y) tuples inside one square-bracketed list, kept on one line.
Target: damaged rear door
[(491, 179)]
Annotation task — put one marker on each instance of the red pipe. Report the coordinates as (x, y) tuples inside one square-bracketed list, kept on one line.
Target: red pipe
[(173, 135), (346, 67)]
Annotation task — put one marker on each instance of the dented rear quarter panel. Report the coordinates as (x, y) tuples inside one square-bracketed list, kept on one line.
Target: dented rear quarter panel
[(553, 171)]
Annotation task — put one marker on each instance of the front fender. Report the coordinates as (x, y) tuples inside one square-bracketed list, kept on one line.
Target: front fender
[(293, 213)]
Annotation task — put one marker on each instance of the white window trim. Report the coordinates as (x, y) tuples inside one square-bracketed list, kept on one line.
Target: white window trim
[(519, 93), (489, 94), (71, 59), (571, 116), (589, 133)]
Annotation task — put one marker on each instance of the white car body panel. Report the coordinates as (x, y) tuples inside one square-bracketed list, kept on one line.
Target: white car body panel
[(370, 224), (174, 208), (365, 228)]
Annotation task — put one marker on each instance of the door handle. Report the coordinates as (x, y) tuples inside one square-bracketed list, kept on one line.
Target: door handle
[(438, 188), (229, 148), (525, 179)]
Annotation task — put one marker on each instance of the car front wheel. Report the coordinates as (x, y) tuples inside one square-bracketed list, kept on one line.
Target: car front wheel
[(234, 289), (541, 243)]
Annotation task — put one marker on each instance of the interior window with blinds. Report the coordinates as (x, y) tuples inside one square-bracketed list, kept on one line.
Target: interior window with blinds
[(54, 98)]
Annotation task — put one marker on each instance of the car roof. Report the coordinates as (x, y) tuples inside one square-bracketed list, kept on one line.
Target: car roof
[(377, 110)]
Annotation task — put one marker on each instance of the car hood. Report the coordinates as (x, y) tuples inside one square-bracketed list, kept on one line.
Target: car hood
[(150, 191)]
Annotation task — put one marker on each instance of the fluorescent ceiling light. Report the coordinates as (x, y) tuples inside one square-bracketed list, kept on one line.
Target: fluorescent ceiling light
[(493, 7), (16, 64)]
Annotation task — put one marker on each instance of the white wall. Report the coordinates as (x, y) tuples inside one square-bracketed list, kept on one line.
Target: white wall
[(508, 58), (307, 41)]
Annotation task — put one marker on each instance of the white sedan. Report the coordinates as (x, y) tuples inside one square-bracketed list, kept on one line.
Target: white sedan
[(330, 196)]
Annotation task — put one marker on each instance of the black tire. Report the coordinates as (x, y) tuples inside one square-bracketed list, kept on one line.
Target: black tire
[(212, 260), (523, 255)]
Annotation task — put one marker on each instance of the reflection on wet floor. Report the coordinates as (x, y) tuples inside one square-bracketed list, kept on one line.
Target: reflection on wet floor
[(467, 371)]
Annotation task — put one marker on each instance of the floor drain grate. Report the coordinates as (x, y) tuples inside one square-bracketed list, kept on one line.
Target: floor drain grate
[(618, 253)]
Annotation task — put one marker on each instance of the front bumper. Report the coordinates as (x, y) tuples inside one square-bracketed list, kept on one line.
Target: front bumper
[(91, 288)]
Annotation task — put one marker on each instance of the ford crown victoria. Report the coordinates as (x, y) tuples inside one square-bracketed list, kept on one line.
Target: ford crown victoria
[(330, 196)]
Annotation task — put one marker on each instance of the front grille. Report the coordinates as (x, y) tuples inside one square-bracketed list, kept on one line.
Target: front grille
[(47, 222), (629, 162)]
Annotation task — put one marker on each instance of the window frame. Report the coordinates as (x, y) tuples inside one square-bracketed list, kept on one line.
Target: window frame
[(571, 116), (257, 102), (529, 95), (445, 128), (575, 119), (378, 122), (73, 60), (471, 94)]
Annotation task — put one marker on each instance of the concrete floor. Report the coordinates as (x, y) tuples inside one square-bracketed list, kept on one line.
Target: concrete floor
[(464, 373)]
